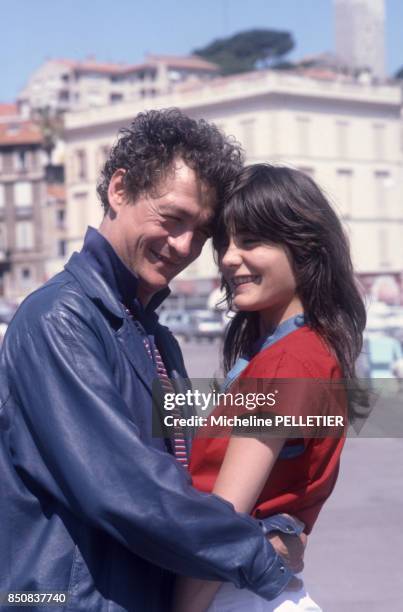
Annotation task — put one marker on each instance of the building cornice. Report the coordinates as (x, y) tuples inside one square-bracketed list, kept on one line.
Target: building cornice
[(223, 91)]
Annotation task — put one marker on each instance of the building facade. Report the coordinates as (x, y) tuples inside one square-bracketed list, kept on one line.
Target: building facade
[(22, 193), (344, 133), (32, 207), (68, 85), (360, 34), (54, 228)]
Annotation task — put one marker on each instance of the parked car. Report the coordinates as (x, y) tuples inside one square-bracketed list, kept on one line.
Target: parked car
[(207, 324), (193, 324), (179, 322), (384, 318), (379, 356)]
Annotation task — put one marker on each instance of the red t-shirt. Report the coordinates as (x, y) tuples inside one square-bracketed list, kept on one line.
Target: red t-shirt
[(299, 485)]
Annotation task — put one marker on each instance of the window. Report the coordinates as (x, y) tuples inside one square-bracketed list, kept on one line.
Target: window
[(80, 204), (64, 95), (303, 135), (382, 181), (248, 135), (8, 163), (115, 97), (61, 248), (25, 277), (383, 247), (379, 140), (345, 190), (34, 160), (24, 235), (342, 139), (21, 161), (3, 237), (81, 161), (23, 194), (102, 156), (60, 218)]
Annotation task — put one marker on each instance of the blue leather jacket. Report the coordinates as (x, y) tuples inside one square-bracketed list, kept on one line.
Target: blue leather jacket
[(91, 503)]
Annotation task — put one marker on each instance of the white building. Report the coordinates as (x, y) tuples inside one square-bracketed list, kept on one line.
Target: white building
[(64, 84), (360, 34), (344, 133)]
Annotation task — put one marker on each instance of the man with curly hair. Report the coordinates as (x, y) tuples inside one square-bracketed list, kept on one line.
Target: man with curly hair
[(159, 189), (92, 504)]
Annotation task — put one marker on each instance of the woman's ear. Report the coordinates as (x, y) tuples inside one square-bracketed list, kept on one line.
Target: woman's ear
[(116, 190)]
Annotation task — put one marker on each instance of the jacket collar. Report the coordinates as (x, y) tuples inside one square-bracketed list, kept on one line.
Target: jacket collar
[(104, 259), (94, 287), (93, 284), (104, 277)]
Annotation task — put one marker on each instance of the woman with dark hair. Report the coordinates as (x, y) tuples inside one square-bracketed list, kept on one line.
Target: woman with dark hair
[(286, 267)]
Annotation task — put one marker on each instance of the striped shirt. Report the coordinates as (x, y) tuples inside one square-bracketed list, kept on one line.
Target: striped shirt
[(178, 440)]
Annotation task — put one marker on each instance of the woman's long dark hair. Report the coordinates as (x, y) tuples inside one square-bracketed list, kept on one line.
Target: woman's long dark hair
[(280, 205)]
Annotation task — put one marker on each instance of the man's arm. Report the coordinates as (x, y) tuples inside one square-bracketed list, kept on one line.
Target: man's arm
[(246, 467), (75, 440)]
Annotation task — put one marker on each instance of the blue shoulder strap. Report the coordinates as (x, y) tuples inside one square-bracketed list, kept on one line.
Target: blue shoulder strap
[(282, 330)]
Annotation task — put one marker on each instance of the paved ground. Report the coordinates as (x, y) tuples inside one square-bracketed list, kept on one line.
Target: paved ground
[(354, 556)]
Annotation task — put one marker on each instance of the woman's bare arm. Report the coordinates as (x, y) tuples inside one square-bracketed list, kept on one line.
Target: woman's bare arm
[(246, 467)]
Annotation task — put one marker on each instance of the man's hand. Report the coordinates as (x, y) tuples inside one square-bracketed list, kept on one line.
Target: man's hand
[(291, 548)]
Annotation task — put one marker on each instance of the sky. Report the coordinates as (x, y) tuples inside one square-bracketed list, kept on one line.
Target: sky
[(125, 30)]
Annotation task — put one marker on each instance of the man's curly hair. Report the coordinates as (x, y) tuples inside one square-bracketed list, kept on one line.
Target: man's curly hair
[(147, 149)]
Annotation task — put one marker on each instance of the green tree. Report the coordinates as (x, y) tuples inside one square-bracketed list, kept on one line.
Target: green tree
[(248, 50), (51, 124)]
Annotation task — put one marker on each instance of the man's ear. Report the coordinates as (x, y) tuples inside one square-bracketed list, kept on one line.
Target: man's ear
[(116, 191)]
